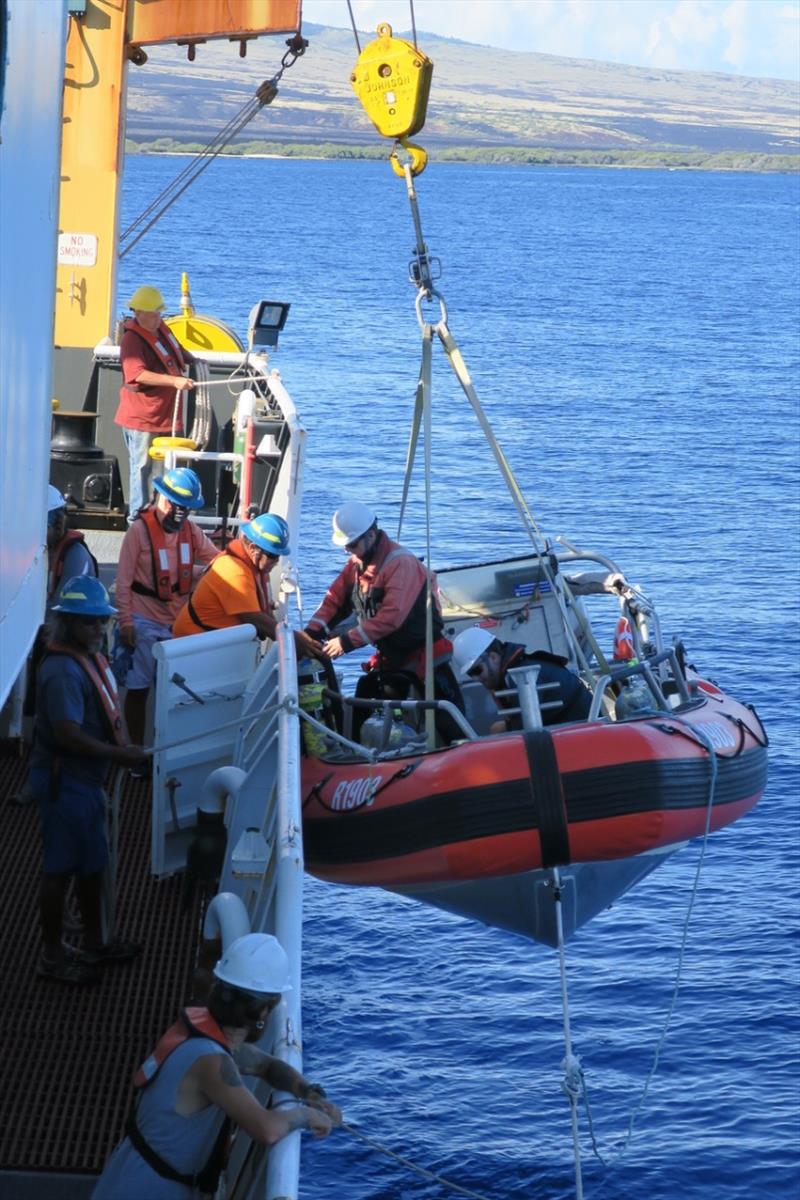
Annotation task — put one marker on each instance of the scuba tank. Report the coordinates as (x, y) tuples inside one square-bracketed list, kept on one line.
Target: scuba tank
[(388, 731)]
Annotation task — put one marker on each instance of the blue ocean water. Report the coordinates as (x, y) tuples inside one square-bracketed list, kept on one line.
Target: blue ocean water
[(634, 338)]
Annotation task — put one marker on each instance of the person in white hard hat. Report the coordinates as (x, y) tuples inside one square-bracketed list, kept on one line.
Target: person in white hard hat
[(190, 1088), (385, 587), (67, 552), (479, 655), (154, 366)]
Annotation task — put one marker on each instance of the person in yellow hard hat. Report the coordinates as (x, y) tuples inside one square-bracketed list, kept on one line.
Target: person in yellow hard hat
[(154, 367)]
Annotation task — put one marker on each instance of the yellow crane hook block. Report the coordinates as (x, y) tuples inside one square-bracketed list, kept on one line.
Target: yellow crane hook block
[(392, 79)]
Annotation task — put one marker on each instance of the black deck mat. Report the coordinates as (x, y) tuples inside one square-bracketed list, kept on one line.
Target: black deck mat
[(68, 1054)]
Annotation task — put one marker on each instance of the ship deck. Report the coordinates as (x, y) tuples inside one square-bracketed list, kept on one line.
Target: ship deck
[(69, 1053)]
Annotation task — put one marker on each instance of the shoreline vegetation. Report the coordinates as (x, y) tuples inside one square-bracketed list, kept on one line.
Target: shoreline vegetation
[(666, 159)]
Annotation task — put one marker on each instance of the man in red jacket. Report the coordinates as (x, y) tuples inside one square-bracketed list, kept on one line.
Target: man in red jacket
[(153, 370), (385, 587)]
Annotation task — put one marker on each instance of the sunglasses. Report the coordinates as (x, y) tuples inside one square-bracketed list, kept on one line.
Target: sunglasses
[(92, 620)]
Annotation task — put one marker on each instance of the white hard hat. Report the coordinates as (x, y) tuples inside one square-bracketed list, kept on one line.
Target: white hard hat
[(468, 647), (256, 963), (54, 499), (351, 521)]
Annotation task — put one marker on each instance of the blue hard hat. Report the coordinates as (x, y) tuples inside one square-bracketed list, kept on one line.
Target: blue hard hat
[(269, 532), (84, 596), (182, 486)]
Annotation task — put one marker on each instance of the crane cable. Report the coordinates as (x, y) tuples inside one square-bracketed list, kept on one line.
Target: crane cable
[(265, 94), (422, 271)]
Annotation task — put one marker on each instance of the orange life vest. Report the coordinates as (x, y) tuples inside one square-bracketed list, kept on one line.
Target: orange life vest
[(100, 675), (56, 558), (193, 1022), (158, 549), (163, 344)]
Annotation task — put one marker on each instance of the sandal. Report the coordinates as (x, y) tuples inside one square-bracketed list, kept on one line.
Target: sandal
[(113, 952), (68, 970)]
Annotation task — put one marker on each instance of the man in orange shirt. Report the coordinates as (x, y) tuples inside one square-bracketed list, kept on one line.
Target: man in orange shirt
[(235, 589), (155, 575)]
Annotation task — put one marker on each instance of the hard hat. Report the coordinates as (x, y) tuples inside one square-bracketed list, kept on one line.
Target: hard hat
[(255, 963), (468, 647), (269, 532), (182, 486), (147, 299), (84, 596), (54, 499), (351, 521)]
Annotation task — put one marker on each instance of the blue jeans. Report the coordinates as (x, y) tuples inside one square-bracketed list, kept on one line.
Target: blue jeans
[(140, 466)]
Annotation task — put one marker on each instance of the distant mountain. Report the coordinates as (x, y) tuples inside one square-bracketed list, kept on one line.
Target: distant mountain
[(481, 98)]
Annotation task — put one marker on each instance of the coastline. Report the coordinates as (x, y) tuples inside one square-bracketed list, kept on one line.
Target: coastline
[(679, 160)]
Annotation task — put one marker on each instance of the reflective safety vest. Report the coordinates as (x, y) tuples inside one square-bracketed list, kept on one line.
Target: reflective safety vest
[(164, 589), (56, 560), (164, 345), (105, 685), (193, 1022)]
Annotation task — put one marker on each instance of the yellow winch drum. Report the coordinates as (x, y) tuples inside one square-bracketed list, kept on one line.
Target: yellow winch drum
[(392, 79)]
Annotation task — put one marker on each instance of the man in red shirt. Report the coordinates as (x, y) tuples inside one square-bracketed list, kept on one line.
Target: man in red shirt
[(153, 370)]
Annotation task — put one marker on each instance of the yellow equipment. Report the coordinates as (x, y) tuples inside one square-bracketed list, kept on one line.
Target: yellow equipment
[(197, 332), (392, 79)]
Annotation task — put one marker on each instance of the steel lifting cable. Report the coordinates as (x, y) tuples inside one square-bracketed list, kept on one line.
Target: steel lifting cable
[(422, 275), (265, 94)]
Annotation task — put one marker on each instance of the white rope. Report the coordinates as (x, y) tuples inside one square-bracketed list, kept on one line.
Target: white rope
[(406, 1162), (572, 1082), (699, 736)]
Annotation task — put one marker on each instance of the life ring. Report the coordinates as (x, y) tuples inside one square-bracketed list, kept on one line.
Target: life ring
[(162, 445)]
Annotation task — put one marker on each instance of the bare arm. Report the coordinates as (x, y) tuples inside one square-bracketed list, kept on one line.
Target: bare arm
[(264, 623), (154, 379), (284, 1078), (217, 1078)]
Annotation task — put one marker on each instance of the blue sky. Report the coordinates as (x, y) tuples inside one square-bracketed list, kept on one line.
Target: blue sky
[(742, 37)]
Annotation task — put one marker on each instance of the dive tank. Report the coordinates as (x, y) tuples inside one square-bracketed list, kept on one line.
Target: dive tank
[(376, 736), (634, 697)]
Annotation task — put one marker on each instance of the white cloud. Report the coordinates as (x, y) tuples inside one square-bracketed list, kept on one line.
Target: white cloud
[(755, 37)]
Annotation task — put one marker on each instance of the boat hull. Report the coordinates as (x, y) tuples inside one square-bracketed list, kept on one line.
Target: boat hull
[(477, 827)]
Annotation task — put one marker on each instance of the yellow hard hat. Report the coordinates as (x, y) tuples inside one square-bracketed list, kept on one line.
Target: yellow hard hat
[(147, 299)]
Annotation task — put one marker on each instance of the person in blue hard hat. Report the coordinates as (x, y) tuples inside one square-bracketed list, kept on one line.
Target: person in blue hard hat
[(235, 589), (156, 573), (154, 368), (78, 736)]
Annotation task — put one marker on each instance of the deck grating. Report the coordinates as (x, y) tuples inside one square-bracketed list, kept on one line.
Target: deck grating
[(69, 1054)]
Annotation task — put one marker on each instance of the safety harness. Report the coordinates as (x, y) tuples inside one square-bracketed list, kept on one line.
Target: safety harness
[(235, 550), (164, 589), (56, 560), (105, 685), (192, 1023), (163, 344)]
